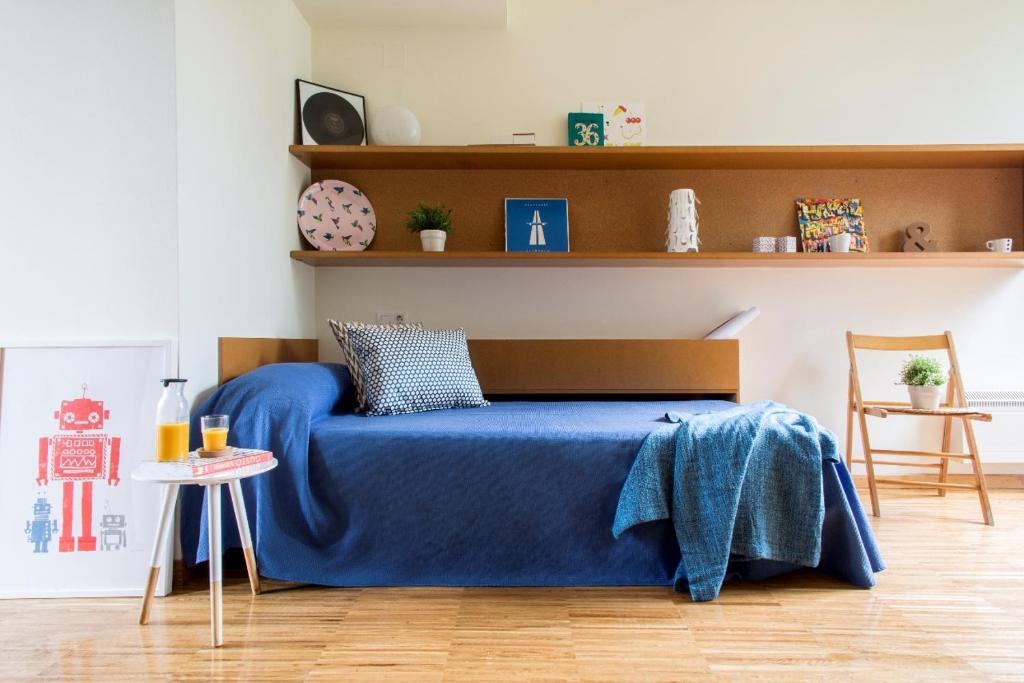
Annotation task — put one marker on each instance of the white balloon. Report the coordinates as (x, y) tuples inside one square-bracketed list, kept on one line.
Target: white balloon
[(395, 125)]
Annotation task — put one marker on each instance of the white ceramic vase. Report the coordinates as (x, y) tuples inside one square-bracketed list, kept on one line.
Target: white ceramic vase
[(681, 234), (433, 240), (925, 397)]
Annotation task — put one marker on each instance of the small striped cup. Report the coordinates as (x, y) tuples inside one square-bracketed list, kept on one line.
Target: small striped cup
[(786, 245)]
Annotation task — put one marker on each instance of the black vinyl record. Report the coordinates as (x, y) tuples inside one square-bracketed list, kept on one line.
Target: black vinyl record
[(332, 120)]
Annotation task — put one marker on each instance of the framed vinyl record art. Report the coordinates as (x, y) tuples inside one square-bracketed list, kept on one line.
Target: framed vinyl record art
[(329, 116)]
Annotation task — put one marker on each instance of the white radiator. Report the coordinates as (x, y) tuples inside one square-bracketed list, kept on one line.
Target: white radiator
[(1002, 439)]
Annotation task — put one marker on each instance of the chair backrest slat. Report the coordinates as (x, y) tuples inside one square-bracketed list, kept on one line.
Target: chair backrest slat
[(933, 342)]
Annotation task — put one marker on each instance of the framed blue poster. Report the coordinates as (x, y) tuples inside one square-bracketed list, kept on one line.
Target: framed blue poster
[(536, 225)]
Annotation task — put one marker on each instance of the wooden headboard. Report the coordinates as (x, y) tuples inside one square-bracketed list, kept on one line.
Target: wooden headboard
[(239, 355), (692, 367)]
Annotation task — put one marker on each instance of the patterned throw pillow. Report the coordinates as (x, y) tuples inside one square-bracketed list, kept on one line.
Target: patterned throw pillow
[(411, 371), (350, 360)]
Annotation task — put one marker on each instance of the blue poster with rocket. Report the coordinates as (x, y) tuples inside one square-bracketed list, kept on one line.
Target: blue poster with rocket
[(536, 225)]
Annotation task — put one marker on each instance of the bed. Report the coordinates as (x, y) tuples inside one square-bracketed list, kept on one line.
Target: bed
[(520, 493)]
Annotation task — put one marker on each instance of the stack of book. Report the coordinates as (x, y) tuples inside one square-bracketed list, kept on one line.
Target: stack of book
[(196, 467)]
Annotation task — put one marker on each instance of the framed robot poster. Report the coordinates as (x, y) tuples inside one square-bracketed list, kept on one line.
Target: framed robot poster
[(75, 420)]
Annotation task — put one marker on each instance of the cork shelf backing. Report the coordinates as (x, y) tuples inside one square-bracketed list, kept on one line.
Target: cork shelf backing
[(621, 212)]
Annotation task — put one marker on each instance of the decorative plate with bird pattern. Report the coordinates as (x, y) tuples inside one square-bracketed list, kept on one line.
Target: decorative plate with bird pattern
[(336, 216)]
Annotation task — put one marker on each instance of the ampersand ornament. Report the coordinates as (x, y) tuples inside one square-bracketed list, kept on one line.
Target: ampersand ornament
[(915, 238)]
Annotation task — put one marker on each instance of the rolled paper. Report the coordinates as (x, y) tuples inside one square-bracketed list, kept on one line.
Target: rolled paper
[(734, 325)]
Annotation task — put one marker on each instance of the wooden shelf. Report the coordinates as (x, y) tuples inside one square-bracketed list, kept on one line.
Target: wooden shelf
[(968, 194), (659, 259), (660, 158)]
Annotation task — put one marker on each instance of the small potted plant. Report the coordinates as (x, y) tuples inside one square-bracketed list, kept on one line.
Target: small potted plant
[(923, 376), (432, 222)]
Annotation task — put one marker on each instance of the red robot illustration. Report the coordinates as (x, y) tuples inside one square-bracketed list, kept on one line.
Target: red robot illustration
[(78, 452)]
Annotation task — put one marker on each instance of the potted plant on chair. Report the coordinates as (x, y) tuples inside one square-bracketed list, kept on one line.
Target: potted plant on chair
[(432, 222), (923, 377)]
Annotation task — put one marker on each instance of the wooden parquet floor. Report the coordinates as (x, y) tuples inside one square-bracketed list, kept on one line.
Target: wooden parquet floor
[(950, 607)]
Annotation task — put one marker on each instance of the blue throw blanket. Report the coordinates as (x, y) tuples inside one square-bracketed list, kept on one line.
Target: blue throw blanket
[(744, 482)]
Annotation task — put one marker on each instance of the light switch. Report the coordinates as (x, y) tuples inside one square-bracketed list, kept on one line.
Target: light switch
[(391, 317)]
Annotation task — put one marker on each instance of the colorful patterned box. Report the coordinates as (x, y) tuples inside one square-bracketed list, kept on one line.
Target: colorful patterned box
[(819, 219)]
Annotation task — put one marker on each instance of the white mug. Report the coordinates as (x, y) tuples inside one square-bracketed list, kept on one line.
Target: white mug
[(839, 242), (1005, 244)]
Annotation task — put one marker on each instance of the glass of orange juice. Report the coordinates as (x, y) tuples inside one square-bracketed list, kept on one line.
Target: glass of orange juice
[(215, 432)]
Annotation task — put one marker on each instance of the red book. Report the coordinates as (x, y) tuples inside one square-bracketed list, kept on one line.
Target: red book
[(201, 467), (242, 457)]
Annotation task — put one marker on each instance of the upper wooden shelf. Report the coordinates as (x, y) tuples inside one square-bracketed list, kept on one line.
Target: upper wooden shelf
[(645, 158), (657, 259)]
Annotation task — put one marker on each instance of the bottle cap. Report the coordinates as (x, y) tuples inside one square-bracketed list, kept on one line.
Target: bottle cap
[(170, 380)]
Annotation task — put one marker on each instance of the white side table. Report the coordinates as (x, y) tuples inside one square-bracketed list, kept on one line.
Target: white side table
[(212, 483)]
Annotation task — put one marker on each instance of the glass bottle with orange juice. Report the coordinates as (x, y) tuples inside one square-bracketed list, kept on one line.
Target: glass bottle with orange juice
[(172, 414)]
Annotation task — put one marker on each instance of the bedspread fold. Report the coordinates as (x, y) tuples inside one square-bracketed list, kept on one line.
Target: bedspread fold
[(274, 408)]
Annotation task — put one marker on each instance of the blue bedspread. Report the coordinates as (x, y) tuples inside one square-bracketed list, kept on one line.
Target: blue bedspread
[(519, 493), (744, 482)]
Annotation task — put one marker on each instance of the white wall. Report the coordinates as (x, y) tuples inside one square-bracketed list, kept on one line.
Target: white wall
[(135, 132), (88, 234), (710, 72), (237, 62)]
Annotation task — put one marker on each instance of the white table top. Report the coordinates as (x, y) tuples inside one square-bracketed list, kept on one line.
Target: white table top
[(206, 480)]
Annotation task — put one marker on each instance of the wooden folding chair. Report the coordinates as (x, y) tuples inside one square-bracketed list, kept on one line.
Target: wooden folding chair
[(954, 407)]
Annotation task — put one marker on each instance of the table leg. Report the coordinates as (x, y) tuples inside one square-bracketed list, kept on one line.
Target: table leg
[(242, 519), (156, 559), (213, 532)]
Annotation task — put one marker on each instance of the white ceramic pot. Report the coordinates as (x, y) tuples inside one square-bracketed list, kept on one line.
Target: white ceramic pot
[(433, 240), (925, 397)]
